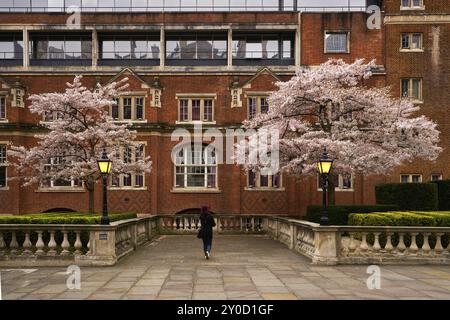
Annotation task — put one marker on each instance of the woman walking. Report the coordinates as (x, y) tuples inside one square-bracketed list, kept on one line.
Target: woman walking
[(207, 224)]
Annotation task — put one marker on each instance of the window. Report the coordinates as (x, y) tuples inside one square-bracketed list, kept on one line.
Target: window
[(436, 177), (257, 105), (201, 109), (337, 42), (410, 178), (196, 46), (131, 181), (263, 180), (411, 88), (54, 165), (411, 41), (129, 47), (128, 109), (263, 46), (11, 46), (61, 47), (2, 108), (3, 165), (196, 167), (412, 4), (342, 182)]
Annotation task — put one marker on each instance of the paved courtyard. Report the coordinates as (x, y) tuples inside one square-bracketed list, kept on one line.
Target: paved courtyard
[(241, 267)]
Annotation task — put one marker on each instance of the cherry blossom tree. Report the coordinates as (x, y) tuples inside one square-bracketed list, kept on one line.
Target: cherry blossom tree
[(364, 129), (79, 130)]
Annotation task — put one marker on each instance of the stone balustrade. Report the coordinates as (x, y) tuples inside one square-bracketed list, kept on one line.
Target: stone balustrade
[(224, 224), (93, 245), (362, 244)]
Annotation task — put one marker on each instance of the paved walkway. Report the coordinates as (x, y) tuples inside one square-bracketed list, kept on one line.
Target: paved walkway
[(242, 267)]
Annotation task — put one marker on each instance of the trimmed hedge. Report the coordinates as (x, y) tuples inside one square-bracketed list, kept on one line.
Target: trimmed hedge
[(400, 218), (408, 196), (443, 194), (62, 218), (338, 215)]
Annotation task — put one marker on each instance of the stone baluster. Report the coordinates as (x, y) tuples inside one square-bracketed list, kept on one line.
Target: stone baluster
[(438, 248), (352, 244), (426, 244), (78, 245), (27, 244), (52, 244), (2, 244), (401, 242), (364, 246), (128, 231), (174, 224), (39, 244), (389, 247), (413, 247), (253, 223), (376, 244), (13, 245), (65, 245)]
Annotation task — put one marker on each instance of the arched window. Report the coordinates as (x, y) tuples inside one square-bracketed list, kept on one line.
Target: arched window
[(196, 167)]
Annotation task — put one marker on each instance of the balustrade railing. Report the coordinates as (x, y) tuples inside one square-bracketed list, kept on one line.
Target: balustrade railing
[(40, 243), (60, 245), (399, 244)]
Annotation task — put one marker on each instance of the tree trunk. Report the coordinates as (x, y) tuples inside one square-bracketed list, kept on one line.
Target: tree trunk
[(331, 190), (90, 188)]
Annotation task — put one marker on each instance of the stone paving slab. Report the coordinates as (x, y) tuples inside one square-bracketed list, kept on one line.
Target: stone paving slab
[(242, 267)]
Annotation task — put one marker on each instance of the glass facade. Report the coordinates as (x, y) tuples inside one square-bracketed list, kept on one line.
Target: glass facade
[(11, 46), (263, 46), (196, 46), (129, 47), (49, 47)]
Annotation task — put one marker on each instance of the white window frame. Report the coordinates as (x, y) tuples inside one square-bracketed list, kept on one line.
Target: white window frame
[(186, 165), (410, 177), (411, 5), (325, 50), (340, 186), (258, 186), (3, 98), (438, 175), (53, 187), (410, 36), (133, 97), (258, 98), (410, 86), (202, 99), (121, 177), (4, 164)]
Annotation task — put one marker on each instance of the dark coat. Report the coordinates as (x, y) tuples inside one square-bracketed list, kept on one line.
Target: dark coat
[(207, 227)]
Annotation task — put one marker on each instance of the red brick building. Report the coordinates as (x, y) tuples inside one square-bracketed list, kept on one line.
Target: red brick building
[(216, 67)]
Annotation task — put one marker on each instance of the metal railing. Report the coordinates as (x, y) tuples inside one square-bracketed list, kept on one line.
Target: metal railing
[(184, 6), (61, 55), (127, 55)]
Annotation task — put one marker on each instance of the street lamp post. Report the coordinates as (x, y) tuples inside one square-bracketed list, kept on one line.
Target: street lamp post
[(104, 166), (324, 166)]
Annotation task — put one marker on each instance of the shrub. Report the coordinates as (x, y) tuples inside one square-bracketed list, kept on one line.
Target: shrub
[(62, 218), (338, 215), (443, 194), (400, 218), (408, 196)]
